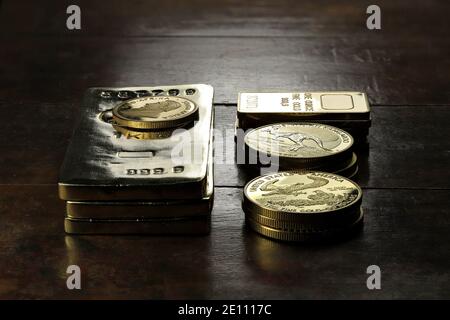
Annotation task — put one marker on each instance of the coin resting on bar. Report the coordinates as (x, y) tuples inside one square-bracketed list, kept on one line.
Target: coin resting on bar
[(119, 176), (159, 112)]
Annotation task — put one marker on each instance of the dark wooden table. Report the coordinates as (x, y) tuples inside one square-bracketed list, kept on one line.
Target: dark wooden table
[(233, 45)]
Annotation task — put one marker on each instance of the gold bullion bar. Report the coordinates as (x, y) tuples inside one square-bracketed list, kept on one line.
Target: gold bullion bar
[(258, 108)]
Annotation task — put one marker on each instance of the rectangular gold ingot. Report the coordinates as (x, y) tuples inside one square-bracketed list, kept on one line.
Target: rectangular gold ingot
[(343, 109)]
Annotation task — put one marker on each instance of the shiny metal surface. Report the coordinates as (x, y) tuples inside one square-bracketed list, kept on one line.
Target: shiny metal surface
[(301, 226), (300, 141), (175, 209), (331, 105), (302, 236), (193, 226), (94, 170), (310, 195), (347, 110), (155, 112)]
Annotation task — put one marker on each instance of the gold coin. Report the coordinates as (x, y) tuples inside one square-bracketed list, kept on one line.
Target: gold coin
[(155, 112), (106, 116), (294, 195), (131, 133), (295, 143), (344, 168), (350, 170), (305, 225), (142, 134), (322, 235)]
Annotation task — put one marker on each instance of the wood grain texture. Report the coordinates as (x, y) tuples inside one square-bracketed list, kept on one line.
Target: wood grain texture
[(392, 72), (233, 45), (230, 18), (407, 146), (405, 233)]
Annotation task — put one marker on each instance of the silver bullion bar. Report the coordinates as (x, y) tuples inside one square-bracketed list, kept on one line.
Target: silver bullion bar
[(102, 165), (147, 210), (180, 226)]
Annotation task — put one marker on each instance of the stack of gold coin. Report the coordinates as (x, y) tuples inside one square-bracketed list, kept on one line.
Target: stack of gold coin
[(303, 205), (152, 117), (302, 146)]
